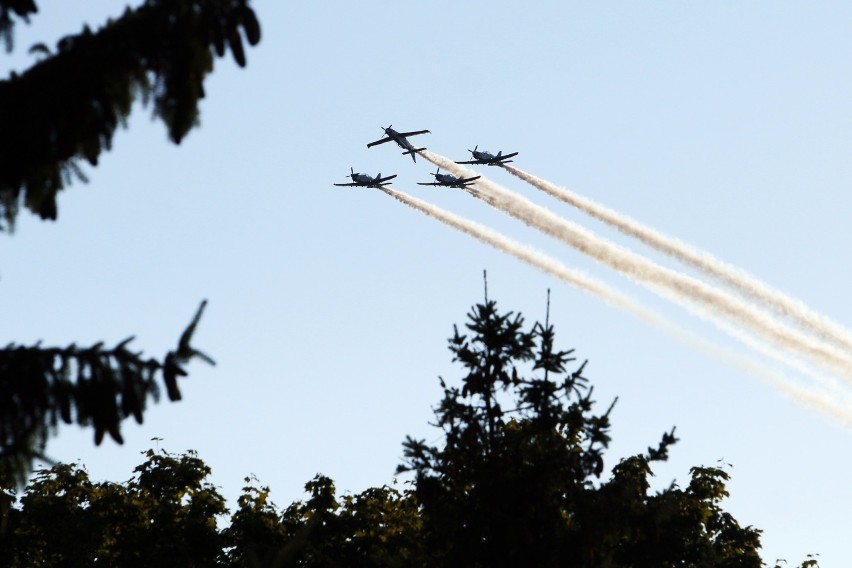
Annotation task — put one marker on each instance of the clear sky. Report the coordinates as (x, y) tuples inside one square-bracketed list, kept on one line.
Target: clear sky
[(727, 125)]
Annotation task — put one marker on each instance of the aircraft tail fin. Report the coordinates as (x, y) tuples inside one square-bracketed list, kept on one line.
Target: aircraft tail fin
[(413, 152)]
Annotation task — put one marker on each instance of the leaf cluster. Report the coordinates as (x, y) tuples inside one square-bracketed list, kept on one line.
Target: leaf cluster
[(94, 386), (377, 527), (622, 525), (166, 515), (66, 107)]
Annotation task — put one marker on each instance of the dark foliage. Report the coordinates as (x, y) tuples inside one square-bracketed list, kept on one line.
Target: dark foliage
[(517, 449), (379, 527), (519, 481), (164, 516), (64, 109), (67, 107), (94, 387)]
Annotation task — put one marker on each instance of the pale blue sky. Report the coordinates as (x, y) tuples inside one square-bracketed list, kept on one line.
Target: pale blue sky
[(727, 125)]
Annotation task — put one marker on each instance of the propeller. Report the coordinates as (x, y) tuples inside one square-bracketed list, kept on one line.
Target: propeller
[(474, 150)]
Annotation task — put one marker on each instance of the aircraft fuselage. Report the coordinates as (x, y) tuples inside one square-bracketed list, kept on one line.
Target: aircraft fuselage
[(401, 140), (447, 179), (484, 156), (365, 179)]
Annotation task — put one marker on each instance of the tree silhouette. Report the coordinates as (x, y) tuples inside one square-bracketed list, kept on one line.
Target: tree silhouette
[(519, 480), (67, 107), (164, 516), (94, 387)]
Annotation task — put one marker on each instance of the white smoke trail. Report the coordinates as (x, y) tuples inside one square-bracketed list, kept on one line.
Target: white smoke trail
[(733, 331), (738, 279), (815, 400), (528, 255), (649, 273)]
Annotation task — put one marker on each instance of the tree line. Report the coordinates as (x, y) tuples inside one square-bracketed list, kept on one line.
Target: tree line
[(517, 480)]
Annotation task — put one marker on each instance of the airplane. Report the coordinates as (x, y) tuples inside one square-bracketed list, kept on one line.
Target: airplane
[(365, 180), (488, 159), (400, 138), (447, 180)]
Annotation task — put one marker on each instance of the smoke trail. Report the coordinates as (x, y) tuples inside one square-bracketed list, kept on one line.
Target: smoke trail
[(647, 272), (736, 278), (530, 256), (733, 331), (817, 401)]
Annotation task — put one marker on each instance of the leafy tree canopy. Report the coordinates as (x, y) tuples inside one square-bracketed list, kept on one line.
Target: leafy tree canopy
[(517, 481)]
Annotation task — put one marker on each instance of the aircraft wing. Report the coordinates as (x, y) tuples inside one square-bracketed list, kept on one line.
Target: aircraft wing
[(468, 180), (384, 179), (376, 185), (433, 183), (415, 133), (473, 162), (377, 142), (507, 156)]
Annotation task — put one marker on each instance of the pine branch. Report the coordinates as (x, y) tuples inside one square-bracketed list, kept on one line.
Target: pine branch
[(93, 386), (66, 107)]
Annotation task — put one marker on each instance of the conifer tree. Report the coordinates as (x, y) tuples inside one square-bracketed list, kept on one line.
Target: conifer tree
[(518, 478)]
